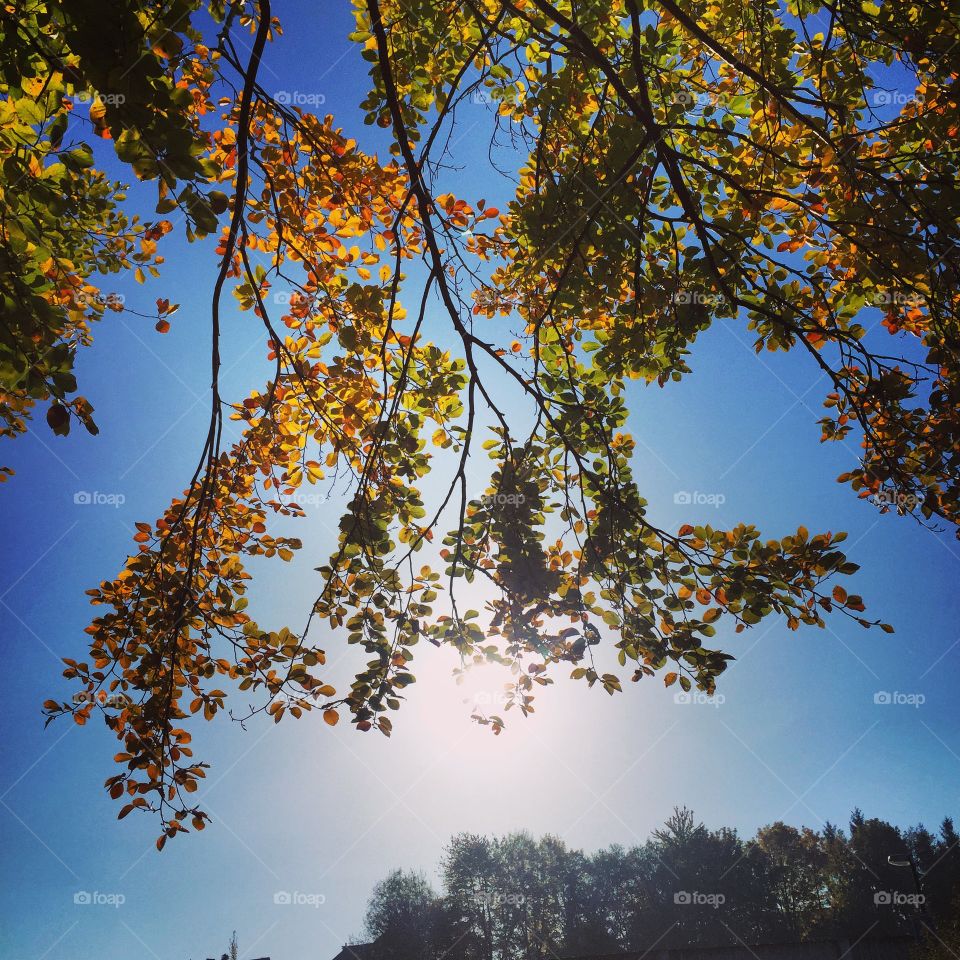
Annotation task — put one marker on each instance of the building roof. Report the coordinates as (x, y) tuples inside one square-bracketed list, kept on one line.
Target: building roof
[(868, 948), (356, 951)]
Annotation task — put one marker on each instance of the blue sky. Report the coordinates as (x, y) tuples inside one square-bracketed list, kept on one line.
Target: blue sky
[(303, 808)]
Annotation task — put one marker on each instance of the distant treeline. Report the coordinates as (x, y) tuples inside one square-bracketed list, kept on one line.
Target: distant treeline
[(519, 898)]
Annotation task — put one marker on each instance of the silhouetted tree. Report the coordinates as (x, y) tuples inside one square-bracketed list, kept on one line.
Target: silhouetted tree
[(401, 917), (519, 898), (795, 862)]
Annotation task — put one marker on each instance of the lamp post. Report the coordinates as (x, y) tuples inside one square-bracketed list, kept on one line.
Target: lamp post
[(909, 861)]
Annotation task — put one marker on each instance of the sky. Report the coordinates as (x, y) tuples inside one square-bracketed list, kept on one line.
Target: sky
[(805, 726)]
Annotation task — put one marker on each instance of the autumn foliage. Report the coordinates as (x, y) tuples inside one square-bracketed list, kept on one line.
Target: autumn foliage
[(678, 165)]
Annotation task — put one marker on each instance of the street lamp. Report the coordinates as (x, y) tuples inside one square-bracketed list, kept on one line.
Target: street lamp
[(909, 861)]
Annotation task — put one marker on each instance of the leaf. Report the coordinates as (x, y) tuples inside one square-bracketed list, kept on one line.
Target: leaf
[(331, 717), (218, 201), (58, 419), (167, 44)]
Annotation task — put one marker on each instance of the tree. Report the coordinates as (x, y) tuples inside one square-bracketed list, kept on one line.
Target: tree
[(470, 878), (704, 886), (796, 865), (401, 917), (533, 896), (677, 165), (517, 897), (941, 880), (865, 890), (608, 891), (944, 942)]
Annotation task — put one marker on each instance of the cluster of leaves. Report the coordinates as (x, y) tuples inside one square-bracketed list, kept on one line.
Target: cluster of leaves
[(689, 165), (678, 166), (70, 74)]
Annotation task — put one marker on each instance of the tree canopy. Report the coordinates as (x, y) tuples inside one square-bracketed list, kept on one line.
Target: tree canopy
[(518, 897), (675, 164)]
